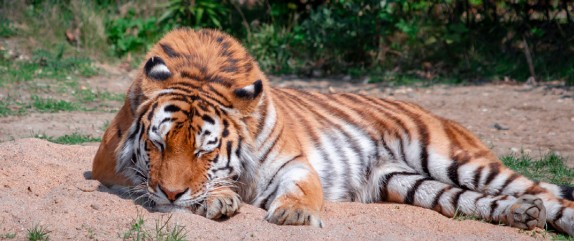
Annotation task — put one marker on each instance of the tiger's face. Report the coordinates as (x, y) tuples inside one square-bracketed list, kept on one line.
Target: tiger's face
[(189, 105), (180, 149)]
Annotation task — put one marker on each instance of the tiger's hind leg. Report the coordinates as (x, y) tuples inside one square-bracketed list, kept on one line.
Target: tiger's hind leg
[(468, 164), (409, 187), (487, 174)]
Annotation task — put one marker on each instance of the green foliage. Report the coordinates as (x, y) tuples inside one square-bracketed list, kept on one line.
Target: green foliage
[(6, 28), (550, 168), (131, 33), (38, 233), (72, 139), (198, 13), (136, 231), (271, 47), (473, 40)]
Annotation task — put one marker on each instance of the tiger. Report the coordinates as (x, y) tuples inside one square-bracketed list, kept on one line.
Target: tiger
[(202, 129)]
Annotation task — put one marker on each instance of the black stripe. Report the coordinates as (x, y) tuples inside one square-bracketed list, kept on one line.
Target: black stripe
[(386, 179), (207, 118), (455, 199), (567, 192), (265, 200), (215, 160), (229, 152), (171, 108), (439, 195), (264, 157), (453, 173), (559, 214), (169, 51), (213, 141), (424, 134), (225, 132), (476, 178), (494, 205), (152, 111), (410, 197), (494, 169), (479, 198), (220, 80), (508, 181)]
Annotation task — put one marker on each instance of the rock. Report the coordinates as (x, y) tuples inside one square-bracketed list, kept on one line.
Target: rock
[(88, 185)]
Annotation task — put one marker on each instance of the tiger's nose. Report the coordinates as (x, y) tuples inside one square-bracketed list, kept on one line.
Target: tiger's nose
[(172, 195)]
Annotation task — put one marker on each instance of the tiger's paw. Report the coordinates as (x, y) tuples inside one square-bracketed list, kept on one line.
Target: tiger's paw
[(527, 212), (294, 214), (223, 203)]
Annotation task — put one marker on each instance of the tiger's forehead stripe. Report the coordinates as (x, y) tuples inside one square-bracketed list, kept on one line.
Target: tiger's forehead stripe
[(219, 59)]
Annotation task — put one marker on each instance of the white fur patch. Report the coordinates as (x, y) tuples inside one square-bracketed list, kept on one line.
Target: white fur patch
[(159, 69)]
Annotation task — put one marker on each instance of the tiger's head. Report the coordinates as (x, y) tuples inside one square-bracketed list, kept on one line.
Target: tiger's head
[(191, 106)]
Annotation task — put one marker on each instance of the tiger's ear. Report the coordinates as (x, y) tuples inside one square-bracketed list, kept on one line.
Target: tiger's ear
[(249, 92), (155, 68), (246, 97)]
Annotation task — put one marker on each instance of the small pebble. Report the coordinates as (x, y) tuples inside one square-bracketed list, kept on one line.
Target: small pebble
[(95, 206)]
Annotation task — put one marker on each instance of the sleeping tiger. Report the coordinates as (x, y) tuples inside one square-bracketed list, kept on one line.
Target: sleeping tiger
[(202, 129)]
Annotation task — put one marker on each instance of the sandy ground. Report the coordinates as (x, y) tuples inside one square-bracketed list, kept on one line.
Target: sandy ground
[(48, 184), (42, 183)]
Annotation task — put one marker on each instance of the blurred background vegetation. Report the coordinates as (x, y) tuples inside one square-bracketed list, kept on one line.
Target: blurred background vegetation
[(470, 41)]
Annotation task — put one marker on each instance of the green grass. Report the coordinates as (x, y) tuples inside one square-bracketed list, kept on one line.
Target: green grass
[(163, 231), (550, 168), (7, 236), (44, 65), (459, 216), (71, 139), (48, 78), (52, 105), (38, 233), (562, 237)]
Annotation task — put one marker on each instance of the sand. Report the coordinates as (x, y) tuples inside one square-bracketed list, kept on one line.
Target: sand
[(47, 184)]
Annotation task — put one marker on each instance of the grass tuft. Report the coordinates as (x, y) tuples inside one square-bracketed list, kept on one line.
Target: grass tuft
[(459, 216), (71, 139), (163, 231), (38, 233), (7, 236), (550, 168)]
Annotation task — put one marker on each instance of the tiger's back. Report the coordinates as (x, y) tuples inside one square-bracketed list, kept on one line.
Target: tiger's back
[(202, 129)]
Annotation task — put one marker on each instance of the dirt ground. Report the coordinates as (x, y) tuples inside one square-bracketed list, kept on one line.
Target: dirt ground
[(48, 184)]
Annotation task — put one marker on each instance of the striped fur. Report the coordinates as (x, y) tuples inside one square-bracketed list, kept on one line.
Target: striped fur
[(201, 128)]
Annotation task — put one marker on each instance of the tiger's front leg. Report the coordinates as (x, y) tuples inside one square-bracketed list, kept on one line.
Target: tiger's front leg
[(293, 195)]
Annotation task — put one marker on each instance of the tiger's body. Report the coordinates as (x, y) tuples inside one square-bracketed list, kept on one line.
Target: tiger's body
[(201, 128)]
